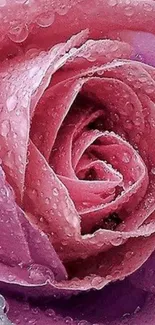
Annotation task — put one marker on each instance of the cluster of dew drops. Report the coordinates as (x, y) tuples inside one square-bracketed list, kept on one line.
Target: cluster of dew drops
[(19, 29), (18, 33)]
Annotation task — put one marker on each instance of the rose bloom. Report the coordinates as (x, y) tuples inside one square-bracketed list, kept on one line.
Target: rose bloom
[(77, 154)]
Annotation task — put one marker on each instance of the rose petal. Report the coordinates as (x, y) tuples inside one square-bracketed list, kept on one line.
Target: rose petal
[(18, 100), (138, 15), (92, 55), (51, 118), (144, 277), (43, 195), (10, 253), (107, 304), (143, 44), (114, 264), (29, 264)]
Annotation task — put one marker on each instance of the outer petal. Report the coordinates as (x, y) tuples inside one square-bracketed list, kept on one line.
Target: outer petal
[(35, 260), (118, 304), (144, 278), (23, 81), (138, 15)]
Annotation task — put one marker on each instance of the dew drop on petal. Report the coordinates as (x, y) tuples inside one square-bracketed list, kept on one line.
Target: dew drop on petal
[(55, 192), (149, 88), (112, 3), (109, 277), (125, 157), (46, 19), (128, 125), (68, 320), (50, 312), (55, 206), (137, 310), (47, 200), (96, 281), (153, 170), (100, 72), (116, 241), (18, 33), (137, 121), (5, 128), (148, 7), (129, 254), (62, 10), (35, 310), (11, 103), (32, 321), (129, 11), (11, 278)]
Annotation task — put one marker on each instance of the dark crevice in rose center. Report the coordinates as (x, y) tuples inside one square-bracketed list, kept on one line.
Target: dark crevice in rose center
[(110, 223), (90, 175), (98, 124)]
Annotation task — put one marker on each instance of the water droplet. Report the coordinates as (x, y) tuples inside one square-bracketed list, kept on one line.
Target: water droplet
[(18, 33), (100, 72), (143, 78), (116, 117), (62, 10), (45, 19), (50, 312), (125, 157), (90, 73), (109, 277), (55, 192), (96, 281), (147, 7), (116, 241), (35, 310), (38, 182), (11, 103), (33, 322), (21, 264), (126, 315), (47, 200), (55, 206), (149, 88), (128, 109), (112, 3), (2, 3), (128, 125), (44, 167), (129, 11), (137, 121), (32, 193), (137, 310), (11, 278), (5, 128), (129, 254), (83, 322), (68, 320), (153, 170)]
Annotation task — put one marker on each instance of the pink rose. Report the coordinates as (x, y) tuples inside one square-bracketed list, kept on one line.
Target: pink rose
[(77, 130)]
